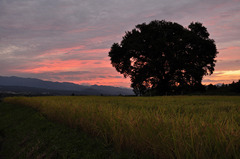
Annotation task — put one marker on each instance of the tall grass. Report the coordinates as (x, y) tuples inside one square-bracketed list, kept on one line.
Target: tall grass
[(165, 127)]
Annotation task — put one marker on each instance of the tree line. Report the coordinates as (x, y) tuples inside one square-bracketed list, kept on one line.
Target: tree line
[(223, 89)]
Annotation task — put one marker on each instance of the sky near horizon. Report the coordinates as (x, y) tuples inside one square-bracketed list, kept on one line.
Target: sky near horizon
[(69, 40)]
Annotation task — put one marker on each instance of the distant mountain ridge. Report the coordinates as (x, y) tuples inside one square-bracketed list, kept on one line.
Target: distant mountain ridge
[(18, 84)]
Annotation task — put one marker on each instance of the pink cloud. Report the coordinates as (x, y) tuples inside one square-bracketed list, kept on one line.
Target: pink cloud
[(229, 53), (59, 66)]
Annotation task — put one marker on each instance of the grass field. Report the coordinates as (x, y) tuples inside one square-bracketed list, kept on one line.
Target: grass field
[(27, 134), (164, 127)]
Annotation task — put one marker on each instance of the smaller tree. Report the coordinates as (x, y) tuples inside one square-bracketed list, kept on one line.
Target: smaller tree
[(235, 87), (211, 87)]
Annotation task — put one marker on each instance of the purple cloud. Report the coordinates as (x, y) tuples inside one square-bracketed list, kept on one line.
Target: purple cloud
[(33, 32)]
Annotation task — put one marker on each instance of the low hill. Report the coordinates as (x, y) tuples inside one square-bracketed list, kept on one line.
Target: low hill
[(33, 86)]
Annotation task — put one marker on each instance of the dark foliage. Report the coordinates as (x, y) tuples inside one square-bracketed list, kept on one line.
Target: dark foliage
[(164, 57), (224, 89)]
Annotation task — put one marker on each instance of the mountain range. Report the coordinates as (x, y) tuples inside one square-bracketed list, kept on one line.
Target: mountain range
[(33, 86)]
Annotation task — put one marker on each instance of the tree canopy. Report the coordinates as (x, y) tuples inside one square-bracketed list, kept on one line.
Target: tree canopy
[(164, 57)]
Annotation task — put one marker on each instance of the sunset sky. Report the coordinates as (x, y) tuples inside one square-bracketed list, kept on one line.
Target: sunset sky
[(69, 40)]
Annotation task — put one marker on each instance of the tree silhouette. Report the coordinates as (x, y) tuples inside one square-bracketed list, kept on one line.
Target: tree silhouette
[(164, 57)]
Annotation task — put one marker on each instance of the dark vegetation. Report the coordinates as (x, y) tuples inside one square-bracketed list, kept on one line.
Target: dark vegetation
[(165, 58), (25, 133), (219, 89), (224, 89)]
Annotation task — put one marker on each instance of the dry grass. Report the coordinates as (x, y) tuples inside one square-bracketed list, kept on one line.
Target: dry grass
[(166, 127)]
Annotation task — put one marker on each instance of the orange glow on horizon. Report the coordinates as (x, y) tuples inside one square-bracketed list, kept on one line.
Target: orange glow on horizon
[(225, 77), (110, 81)]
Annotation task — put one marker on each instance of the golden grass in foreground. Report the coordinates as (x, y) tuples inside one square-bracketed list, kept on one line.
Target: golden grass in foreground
[(166, 127)]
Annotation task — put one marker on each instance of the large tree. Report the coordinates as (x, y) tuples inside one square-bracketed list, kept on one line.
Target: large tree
[(164, 57)]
